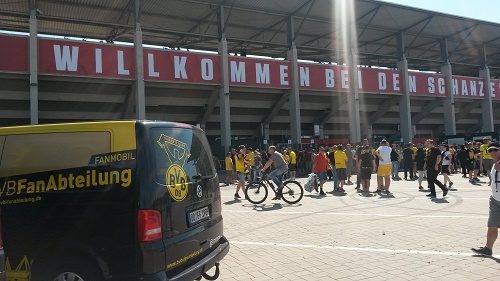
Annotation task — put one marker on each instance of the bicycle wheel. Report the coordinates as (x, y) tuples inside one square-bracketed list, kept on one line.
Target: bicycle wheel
[(292, 192), (256, 192)]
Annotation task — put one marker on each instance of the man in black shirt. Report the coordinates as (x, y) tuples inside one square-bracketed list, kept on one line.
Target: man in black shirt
[(356, 157), (432, 160)]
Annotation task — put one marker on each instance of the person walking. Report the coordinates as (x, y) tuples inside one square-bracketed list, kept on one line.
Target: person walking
[(357, 157), (384, 167), (241, 165), (486, 159), (420, 160), (341, 166), (257, 164), (320, 167), (292, 167), (350, 162), (432, 160), (229, 169), (494, 214), (463, 158), (445, 167)]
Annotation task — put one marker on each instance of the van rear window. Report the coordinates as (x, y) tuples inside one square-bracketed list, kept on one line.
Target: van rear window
[(180, 155)]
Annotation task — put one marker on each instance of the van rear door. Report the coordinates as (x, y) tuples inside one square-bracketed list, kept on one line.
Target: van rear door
[(186, 193)]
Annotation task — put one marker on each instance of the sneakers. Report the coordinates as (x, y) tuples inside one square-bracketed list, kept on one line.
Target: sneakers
[(482, 251), (431, 195), (322, 193), (237, 196), (451, 184), (420, 188)]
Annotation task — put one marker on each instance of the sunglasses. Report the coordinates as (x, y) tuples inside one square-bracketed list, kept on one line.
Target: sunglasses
[(492, 149)]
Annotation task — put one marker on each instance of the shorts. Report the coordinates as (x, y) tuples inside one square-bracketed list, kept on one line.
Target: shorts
[(322, 176), (421, 175), (366, 173), (477, 165), (292, 167), (342, 174), (470, 166), (488, 164), (384, 170), (241, 176), (494, 217), (445, 169)]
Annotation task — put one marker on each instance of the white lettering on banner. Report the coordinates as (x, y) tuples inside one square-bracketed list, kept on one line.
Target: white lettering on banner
[(382, 81), (262, 73), (304, 76), (465, 92), (180, 67), (121, 64), (238, 72), (473, 88), (207, 69), (412, 83), (455, 86), (431, 88), (283, 74), (98, 60), (395, 82), (68, 60), (492, 89), (151, 66), (481, 88), (330, 75), (360, 80), (441, 87), (344, 78)]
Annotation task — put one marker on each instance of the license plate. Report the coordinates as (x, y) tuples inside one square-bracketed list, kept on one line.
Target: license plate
[(198, 215)]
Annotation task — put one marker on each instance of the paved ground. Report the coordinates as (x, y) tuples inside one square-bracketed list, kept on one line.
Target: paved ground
[(405, 236)]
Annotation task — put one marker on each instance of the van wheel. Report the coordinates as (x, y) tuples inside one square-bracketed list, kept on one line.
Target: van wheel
[(75, 270)]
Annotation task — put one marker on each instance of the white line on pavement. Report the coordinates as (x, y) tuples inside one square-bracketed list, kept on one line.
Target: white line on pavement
[(396, 198), (353, 248), (355, 214)]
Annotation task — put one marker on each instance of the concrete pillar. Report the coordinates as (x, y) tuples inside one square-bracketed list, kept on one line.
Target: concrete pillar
[(140, 90), (293, 98), (353, 99), (405, 103), (450, 127), (266, 131), (487, 103), (33, 64), (224, 102), (321, 131)]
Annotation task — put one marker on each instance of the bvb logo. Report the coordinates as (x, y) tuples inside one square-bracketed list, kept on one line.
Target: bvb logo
[(177, 155)]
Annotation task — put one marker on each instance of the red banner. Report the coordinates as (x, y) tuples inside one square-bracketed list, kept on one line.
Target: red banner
[(66, 57), (14, 53)]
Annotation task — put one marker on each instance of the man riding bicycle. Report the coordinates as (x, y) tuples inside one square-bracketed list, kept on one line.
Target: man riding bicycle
[(280, 168)]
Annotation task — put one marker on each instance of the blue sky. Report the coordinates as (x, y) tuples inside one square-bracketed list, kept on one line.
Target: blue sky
[(487, 10)]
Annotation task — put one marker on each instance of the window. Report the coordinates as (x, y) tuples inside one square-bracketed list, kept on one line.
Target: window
[(184, 147), (33, 153)]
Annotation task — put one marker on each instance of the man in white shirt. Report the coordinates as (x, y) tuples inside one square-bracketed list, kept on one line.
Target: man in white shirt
[(494, 216), (384, 168)]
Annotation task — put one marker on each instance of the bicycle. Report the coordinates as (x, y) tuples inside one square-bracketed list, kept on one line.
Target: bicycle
[(256, 192)]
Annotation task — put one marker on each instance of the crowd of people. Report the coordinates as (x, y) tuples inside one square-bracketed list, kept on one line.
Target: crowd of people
[(339, 163)]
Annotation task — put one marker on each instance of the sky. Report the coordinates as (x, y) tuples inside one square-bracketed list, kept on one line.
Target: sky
[(487, 10)]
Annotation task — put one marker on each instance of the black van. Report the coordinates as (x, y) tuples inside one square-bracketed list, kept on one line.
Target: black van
[(120, 200)]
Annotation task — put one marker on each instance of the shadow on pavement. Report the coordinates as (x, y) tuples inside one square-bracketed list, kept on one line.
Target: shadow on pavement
[(234, 201), (385, 196), (315, 196), (338, 193), (487, 257), (266, 208), (367, 194), (439, 200)]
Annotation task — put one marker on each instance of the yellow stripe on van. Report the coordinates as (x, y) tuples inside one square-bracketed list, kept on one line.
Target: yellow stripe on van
[(122, 132)]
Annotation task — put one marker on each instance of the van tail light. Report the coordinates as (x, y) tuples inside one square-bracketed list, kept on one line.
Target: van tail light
[(149, 225)]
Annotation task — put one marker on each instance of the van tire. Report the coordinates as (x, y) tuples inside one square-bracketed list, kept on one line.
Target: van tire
[(72, 270)]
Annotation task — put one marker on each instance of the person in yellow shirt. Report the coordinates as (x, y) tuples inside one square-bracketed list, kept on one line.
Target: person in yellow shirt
[(251, 163), (341, 166), (241, 164), (292, 166), (485, 159), (229, 169)]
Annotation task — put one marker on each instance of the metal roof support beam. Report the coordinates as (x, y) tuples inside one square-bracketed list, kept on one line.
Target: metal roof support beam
[(474, 129), (33, 62), (114, 32), (426, 109), (375, 12), (382, 109), (224, 100), (464, 111), (277, 106), (304, 18), (208, 108), (140, 90), (487, 103)]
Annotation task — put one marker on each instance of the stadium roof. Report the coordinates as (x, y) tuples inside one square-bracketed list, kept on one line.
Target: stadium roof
[(259, 27)]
